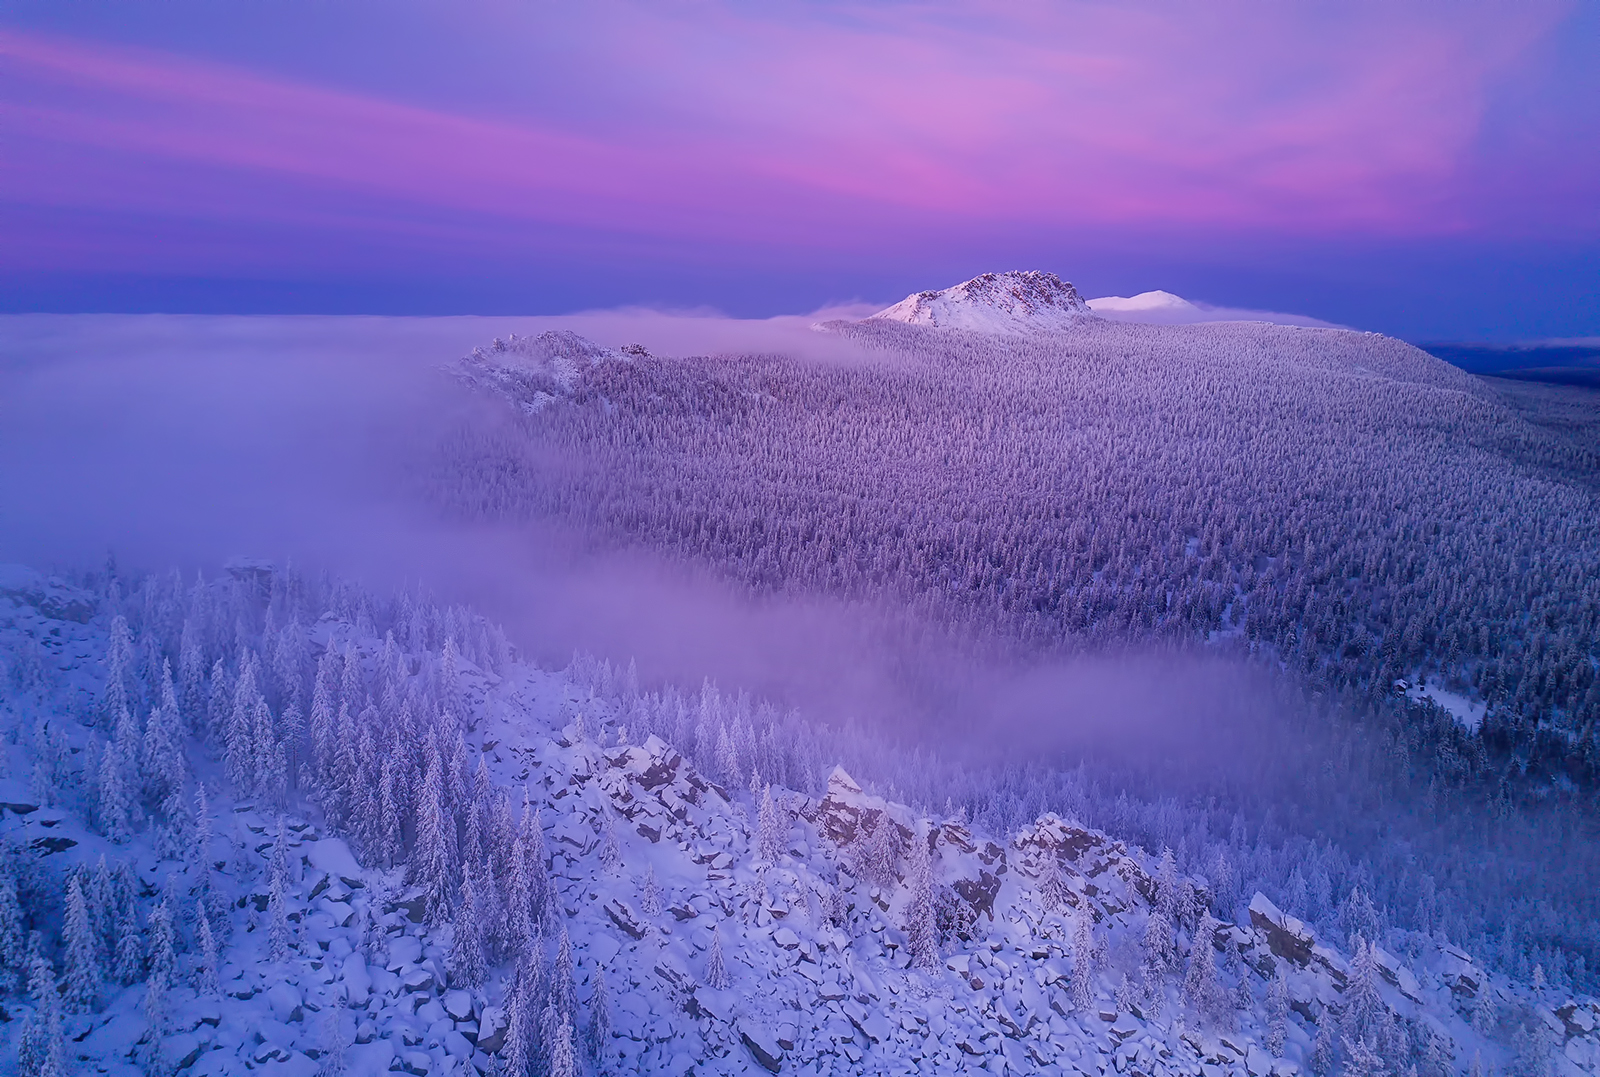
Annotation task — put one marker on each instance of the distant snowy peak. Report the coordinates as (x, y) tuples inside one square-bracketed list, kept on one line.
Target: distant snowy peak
[(1016, 302), (1143, 302), (1164, 308)]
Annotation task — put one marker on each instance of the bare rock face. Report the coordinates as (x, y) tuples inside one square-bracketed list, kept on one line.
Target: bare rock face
[(1016, 302), (1289, 938)]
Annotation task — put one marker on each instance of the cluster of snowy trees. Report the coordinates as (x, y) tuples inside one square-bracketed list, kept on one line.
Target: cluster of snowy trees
[(1339, 502), (382, 751)]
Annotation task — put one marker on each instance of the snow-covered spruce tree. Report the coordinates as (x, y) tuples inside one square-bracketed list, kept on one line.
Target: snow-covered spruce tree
[(921, 928), (1277, 1014), (208, 982), (278, 914), (1053, 889), (650, 893), (130, 953), (520, 1007), (13, 948), (610, 850), (155, 1019), (1159, 951), (1364, 1008), (716, 976), (1485, 1015), (238, 735), (1080, 988), (166, 769), (1361, 1059), (163, 941), (563, 985), (1200, 986), (599, 1037), (770, 829), (433, 861), (466, 943), (561, 1052), (1322, 1058), (82, 951), (41, 1043)]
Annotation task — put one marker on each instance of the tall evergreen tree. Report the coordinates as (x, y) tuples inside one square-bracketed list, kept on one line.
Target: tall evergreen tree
[(600, 1023), (41, 1042), (1277, 1014), (717, 977), (921, 927), (1081, 986), (82, 951), (466, 944)]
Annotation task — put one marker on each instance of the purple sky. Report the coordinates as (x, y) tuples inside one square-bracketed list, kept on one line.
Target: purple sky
[(1430, 169)]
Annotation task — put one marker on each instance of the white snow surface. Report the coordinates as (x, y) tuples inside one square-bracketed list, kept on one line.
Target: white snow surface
[(1015, 302), (1468, 712), (1164, 308), (821, 978)]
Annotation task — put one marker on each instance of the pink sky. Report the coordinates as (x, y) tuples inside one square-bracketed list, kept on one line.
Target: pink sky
[(807, 131)]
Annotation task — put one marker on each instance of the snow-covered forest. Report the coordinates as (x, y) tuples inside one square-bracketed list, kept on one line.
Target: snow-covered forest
[(1339, 509), (269, 824)]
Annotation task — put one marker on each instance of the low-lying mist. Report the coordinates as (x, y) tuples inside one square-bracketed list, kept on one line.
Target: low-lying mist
[(182, 441)]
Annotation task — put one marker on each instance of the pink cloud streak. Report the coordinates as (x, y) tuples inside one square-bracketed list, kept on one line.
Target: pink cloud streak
[(810, 127)]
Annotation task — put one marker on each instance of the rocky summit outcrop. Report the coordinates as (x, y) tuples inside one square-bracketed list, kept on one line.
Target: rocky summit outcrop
[(1015, 302)]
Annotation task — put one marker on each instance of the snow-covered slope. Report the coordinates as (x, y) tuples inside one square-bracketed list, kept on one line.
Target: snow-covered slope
[(1015, 302), (493, 868), (1164, 308)]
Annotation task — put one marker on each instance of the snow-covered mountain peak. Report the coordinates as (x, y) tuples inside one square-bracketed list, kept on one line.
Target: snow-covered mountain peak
[(1014, 302), (533, 371)]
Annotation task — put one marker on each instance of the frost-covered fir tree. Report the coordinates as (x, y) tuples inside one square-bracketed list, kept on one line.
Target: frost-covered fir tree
[(166, 768), (563, 980), (278, 914), (1484, 1014), (1080, 988), (208, 982), (163, 941), (1201, 990), (717, 977), (921, 927), (129, 964), (610, 850), (650, 893), (82, 986), (1322, 1047), (1277, 1014), (335, 1041), (563, 1057), (13, 948), (1361, 1059), (599, 1036), (1364, 1008), (433, 863), (1159, 951), (41, 1042), (466, 943), (1053, 889), (771, 831)]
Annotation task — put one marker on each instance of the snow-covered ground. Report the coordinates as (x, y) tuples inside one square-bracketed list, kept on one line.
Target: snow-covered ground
[(529, 885), (1468, 712)]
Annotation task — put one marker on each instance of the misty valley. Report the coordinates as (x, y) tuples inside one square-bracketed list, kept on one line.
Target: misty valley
[(982, 685)]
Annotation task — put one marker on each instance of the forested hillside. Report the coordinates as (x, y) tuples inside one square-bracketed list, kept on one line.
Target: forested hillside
[(266, 824), (1351, 507)]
